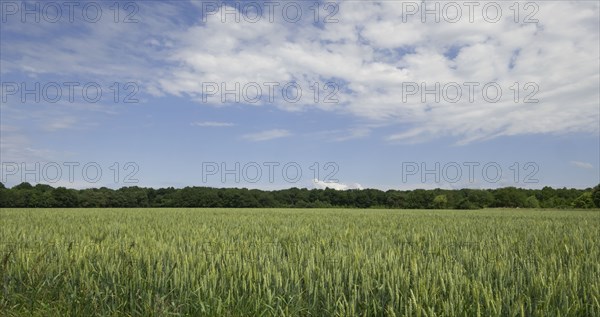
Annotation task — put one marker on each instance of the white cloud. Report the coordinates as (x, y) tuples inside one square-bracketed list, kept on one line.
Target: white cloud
[(267, 135), (60, 124), (340, 135), (371, 52), (557, 54), (337, 186), (213, 124), (583, 165), (357, 133)]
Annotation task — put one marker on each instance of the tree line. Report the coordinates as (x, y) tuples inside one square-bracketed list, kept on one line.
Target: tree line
[(26, 195)]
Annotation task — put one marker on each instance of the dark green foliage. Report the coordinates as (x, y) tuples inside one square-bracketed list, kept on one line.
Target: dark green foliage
[(596, 196), (466, 204), (45, 196), (584, 201), (532, 202)]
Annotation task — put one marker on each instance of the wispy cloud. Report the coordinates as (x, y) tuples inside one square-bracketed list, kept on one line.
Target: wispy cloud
[(60, 124), (344, 134), (213, 124), (267, 135), (337, 186), (378, 95), (360, 53), (583, 165)]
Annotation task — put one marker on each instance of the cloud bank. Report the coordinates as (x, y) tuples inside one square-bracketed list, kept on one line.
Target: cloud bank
[(375, 56)]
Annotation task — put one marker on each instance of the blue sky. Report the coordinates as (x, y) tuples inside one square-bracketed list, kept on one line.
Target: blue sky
[(377, 116)]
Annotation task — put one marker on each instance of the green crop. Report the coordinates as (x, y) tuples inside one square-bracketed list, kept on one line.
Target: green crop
[(280, 262)]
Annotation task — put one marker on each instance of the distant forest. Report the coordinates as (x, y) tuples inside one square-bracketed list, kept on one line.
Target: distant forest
[(39, 196)]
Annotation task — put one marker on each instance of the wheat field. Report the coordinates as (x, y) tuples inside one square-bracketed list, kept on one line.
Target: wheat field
[(295, 262)]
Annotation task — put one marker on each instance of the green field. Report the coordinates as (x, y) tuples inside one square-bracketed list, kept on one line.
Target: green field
[(293, 262)]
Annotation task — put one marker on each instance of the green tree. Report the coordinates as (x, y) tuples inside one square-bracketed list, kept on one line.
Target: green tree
[(510, 197), (361, 198), (95, 198), (596, 196), (23, 185), (130, 197), (420, 199), (440, 201), (466, 204), (532, 202), (395, 199), (64, 198), (584, 201), (5, 199)]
